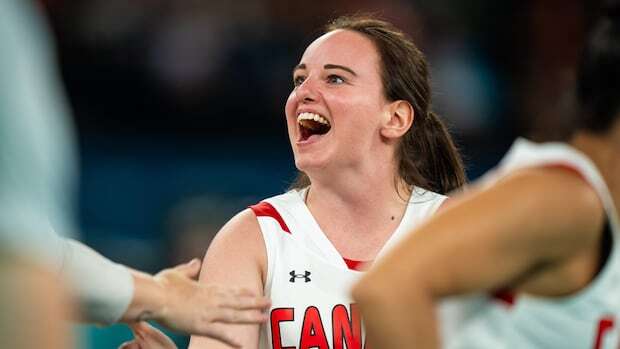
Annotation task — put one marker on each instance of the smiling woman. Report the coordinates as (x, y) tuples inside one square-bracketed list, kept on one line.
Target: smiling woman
[(426, 155), (374, 160)]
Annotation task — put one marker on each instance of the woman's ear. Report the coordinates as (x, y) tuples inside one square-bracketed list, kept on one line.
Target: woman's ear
[(399, 119)]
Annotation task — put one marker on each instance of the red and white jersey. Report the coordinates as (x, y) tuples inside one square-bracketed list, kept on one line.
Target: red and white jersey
[(588, 319), (308, 281)]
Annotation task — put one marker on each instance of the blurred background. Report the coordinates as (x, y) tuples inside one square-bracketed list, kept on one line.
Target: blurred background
[(179, 103)]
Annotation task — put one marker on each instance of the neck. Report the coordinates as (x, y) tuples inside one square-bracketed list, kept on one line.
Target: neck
[(358, 187), (358, 199), (358, 213)]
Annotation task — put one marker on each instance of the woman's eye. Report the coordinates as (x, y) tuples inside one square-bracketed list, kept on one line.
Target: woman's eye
[(298, 80), (335, 79)]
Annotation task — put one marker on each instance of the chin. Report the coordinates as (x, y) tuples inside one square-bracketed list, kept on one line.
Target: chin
[(308, 163)]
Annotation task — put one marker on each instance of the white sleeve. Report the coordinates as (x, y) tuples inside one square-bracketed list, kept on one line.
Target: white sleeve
[(37, 160), (37, 168), (103, 288)]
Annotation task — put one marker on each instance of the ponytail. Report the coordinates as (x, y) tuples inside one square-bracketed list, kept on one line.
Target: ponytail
[(301, 181), (598, 82), (428, 157)]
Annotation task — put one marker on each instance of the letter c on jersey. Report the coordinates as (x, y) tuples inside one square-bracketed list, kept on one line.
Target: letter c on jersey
[(279, 315), (346, 330)]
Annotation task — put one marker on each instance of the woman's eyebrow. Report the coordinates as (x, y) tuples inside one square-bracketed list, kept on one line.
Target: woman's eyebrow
[(336, 66), (327, 66), (298, 67)]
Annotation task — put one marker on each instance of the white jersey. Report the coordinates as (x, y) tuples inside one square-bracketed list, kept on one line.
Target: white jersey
[(588, 319), (308, 281)]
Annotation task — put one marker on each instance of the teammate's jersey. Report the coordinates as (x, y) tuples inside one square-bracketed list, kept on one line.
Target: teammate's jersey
[(308, 281), (588, 319)]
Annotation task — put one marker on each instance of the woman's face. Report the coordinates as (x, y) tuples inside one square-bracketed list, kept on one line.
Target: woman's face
[(333, 113)]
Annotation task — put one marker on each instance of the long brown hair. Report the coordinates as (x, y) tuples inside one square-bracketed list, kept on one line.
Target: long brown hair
[(598, 82), (426, 154)]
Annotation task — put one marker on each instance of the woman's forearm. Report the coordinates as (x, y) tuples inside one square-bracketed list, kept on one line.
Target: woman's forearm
[(395, 314)]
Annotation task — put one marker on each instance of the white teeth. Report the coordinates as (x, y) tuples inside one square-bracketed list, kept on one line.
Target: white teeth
[(312, 116)]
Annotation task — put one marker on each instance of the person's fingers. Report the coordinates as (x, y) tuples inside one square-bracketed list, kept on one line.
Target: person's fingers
[(242, 292), (151, 336), (227, 315), (155, 336), (221, 333), (244, 303), (130, 345), (139, 328), (190, 269)]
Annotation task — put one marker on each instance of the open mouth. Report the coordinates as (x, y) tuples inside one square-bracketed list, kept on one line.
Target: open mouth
[(311, 124)]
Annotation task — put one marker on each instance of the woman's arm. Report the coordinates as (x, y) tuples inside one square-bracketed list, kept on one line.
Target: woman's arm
[(173, 298), (237, 256), (485, 240)]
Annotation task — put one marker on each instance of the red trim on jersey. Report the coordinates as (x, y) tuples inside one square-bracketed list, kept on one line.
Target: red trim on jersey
[(357, 265), (567, 167), (264, 209), (505, 296), (605, 325)]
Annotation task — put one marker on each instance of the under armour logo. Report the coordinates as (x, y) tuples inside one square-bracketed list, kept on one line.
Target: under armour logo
[(305, 276)]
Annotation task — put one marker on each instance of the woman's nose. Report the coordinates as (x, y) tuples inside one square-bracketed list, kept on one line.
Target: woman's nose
[(306, 92)]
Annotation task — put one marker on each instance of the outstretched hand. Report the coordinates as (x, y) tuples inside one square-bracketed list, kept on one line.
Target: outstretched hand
[(147, 337), (177, 301), (196, 308)]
